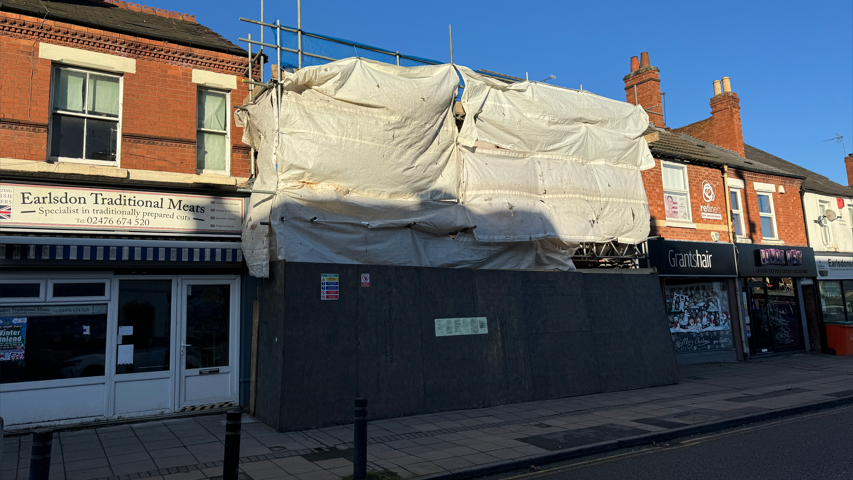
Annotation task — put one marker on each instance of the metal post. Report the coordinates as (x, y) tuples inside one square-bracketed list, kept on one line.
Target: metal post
[(359, 466), (398, 58), (450, 29), (1, 448), (40, 454), (262, 40), (232, 445), (299, 29)]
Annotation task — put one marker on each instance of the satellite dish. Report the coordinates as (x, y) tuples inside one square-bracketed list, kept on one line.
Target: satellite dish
[(831, 215)]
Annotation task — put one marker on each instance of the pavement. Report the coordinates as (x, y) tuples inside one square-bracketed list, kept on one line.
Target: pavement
[(457, 444)]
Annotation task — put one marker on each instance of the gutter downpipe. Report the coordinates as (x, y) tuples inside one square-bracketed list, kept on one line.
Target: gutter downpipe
[(744, 315)]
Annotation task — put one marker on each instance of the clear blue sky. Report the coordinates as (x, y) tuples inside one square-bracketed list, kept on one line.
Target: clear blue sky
[(790, 62)]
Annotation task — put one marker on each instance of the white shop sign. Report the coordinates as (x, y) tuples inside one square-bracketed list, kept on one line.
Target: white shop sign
[(834, 267), (75, 208)]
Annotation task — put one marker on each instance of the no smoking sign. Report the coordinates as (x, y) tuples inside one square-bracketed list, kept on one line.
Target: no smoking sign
[(365, 279)]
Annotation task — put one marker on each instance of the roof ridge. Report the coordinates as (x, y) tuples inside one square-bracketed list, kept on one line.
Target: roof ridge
[(150, 10), (709, 143)]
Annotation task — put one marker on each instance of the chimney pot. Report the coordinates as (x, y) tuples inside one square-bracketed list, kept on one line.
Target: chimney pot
[(644, 60), (727, 84), (717, 89), (635, 64)]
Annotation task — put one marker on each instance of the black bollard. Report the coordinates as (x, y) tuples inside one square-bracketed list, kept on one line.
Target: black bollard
[(40, 454), (359, 466), (232, 445)]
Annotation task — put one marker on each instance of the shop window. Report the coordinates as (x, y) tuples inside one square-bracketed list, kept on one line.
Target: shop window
[(737, 212), (676, 192), (767, 212), (145, 325), (208, 322), (80, 289), (847, 286), (825, 234), (86, 111), (49, 342), (698, 314), (832, 301), (19, 291), (213, 150)]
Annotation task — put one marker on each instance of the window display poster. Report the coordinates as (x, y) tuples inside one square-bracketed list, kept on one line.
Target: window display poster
[(676, 206), (13, 338), (699, 317)]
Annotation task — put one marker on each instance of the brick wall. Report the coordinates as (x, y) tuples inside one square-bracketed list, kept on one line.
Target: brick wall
[(724, 127), (788, 205), (696, 176), (647, 82), (848, 162), (789, 208), (159, 110)]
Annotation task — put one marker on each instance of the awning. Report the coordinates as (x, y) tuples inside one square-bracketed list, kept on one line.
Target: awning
[(60, 250)]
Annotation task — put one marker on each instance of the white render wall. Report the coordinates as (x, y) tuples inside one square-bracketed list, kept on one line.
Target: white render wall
[(841, 229)]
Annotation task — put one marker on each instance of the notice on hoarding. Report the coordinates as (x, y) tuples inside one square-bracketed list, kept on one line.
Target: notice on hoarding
[(13, 338), (447, 327), (329, 286), (73, 208), (125, 355)]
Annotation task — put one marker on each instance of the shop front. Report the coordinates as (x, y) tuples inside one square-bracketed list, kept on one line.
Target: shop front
[(117, 303), (835, 287), (698, 284), (771, 281)]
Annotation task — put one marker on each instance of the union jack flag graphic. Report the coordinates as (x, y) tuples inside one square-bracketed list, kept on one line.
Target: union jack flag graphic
[(5, 212)]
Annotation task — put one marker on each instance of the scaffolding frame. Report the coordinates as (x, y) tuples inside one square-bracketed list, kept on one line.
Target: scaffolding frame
[(610, 254)]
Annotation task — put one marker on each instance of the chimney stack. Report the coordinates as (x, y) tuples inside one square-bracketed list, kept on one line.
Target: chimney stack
[(848, 162), (724, 127), (642, 87)]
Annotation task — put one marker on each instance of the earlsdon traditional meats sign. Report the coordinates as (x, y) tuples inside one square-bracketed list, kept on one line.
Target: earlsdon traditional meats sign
[(60, 208)]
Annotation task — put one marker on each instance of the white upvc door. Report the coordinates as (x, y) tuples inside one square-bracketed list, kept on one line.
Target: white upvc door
[(208, 314), (144, 345)]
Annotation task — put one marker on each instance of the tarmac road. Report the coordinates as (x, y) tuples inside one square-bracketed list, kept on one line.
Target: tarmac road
[(810, 446)]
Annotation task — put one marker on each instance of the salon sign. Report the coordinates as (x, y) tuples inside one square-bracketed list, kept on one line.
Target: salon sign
[(73, 208)]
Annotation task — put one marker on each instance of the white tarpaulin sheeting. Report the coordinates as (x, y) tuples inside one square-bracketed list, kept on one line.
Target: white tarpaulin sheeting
[(366, 169)]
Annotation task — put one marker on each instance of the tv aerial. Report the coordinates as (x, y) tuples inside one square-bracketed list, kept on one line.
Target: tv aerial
[(838, 139)]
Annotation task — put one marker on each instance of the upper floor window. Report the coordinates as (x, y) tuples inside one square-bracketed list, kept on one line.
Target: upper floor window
[(676, 192), (825, 234), (213, 152), (767, 212), (85, 120), (737, 212)]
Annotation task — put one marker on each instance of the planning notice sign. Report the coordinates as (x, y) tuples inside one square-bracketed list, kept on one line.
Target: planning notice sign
[(329, 286), (72, 208)]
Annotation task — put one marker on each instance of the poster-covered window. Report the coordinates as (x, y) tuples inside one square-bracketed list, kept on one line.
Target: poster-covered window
[(49, 342), (836, 303), (676, 192), (699, 317)]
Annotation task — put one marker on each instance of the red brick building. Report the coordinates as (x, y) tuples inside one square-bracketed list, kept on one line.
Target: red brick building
[(120, 176), (704, 192)]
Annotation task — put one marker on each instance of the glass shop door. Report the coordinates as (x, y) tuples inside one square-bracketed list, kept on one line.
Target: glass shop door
[(207, 342)]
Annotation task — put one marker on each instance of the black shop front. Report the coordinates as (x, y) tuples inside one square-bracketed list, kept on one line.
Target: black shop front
[(698, 283), (771, 280)]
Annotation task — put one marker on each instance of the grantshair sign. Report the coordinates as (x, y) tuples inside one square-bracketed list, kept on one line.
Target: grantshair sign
[(74, 208)]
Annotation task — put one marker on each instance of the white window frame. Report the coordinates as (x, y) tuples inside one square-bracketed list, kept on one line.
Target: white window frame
[(52, 281), (677, 191), (40, 298), (205, 171), (825, 231), (739, 211), (771, 215), (105, 163)]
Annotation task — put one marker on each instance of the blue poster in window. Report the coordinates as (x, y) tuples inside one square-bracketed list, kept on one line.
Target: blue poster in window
[(13, 338)]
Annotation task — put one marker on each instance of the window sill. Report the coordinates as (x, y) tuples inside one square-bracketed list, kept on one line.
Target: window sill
[(83, 161), (677, 224), (770, 241), (742, 240)]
